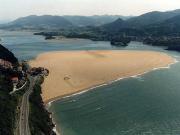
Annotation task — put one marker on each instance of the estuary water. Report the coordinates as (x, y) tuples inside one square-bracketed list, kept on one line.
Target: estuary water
[(144, 105)]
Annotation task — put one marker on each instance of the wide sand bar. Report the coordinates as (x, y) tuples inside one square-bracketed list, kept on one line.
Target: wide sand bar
[(74, 71)]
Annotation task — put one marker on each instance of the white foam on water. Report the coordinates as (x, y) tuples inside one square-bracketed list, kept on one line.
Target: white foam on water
[(138, 76), (175, 56), (99, 108), (55, 130)]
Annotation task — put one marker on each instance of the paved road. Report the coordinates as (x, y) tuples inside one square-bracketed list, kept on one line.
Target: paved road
[(24, 110)]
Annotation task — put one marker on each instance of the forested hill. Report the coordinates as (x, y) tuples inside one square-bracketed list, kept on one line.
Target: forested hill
[(96, 20), (7, 55), (8, 103), (145, 20), (169, 27)]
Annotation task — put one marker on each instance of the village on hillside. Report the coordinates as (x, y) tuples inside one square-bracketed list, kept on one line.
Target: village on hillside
[(17, 74)]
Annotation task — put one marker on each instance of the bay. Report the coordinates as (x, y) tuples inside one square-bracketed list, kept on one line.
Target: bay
[(147, 104)]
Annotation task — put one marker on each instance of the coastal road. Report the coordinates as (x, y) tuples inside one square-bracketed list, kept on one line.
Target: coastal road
[(24, 109)]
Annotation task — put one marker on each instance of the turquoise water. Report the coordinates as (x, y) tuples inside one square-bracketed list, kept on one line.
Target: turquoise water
[(144, 105)]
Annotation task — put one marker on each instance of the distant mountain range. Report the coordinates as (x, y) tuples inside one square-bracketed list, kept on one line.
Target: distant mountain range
[(59, 22), (149, 22), (153, 23), (38, 22), (96, 20)]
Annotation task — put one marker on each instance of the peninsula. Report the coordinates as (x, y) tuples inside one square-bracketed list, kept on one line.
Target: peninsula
[(75, 71)]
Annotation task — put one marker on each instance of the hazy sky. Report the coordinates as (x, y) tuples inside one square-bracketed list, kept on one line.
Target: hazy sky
[(12, 9)]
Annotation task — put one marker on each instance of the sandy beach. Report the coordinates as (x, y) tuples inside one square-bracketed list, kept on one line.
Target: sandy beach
[(74, 71)]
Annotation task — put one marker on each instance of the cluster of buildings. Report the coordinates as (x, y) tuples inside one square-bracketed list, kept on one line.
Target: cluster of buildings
[(18, 74), (15, 73)]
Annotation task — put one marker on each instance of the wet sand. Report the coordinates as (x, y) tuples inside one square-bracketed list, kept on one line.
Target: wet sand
[(75, 71)]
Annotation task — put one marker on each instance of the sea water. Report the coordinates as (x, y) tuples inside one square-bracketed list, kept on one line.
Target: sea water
[(148, 104)]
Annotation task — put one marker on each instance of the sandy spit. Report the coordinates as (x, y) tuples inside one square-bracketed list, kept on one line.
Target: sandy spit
[(75, 71)]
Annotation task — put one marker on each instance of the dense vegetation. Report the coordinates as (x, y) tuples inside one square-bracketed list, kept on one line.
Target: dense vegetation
[(170, 27), (7, 55), (40, 122), (172, 43), (8, 105)]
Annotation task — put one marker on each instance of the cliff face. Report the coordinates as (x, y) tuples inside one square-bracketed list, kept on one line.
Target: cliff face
[(7, 55)]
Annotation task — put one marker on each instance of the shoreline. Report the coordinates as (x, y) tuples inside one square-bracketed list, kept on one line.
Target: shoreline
[(156, 63), (79, 71), (49, 103)]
